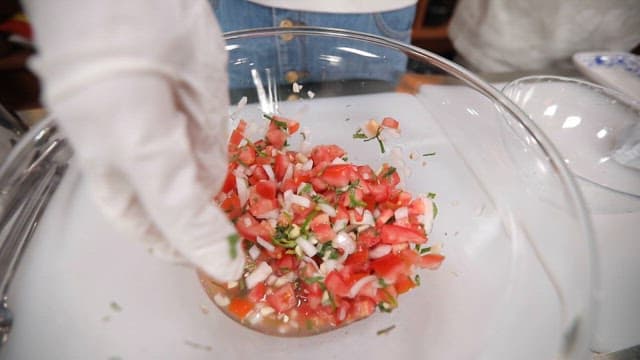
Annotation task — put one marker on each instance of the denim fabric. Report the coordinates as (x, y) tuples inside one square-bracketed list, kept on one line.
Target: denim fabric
[(314, 58)]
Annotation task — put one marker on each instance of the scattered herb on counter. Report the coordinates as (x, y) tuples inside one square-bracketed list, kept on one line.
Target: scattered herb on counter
[(429, 154), (385, 330)]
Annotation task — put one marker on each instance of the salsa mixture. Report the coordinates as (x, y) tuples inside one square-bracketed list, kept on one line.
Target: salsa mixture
[(327, 241)]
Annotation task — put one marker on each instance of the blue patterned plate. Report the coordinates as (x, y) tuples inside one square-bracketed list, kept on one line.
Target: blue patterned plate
[(617, 70)]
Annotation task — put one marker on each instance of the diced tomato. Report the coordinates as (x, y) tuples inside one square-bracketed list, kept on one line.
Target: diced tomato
[(258, 175), (359, 260), (431, 261), (281, 166), (416, 207), (236, 136), (249, 228), (231, 206), (283, 299), (246, 155), (229, 182), (388, 176), (379, 192), (276, 137), (366, 173), (326, 153), (323, 232), (385, 215), (260, 206), (292, 126), (393, 234), (404, 284), (266, 189), (338, 175), (257, 293), (369, 237), (319, 185), (288, 184), (240, 307), (390, 123), (389, 267), (336, 285), (286, 264), (361, 308)]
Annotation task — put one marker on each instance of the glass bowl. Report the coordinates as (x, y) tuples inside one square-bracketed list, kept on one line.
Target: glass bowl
[(525, 262), (517, 278), (586, 122)]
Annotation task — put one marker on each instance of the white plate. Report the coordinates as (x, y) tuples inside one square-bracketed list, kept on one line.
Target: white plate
[(617, 70)]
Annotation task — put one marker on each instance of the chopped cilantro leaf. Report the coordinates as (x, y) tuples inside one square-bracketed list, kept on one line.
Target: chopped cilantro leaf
[(390, 171), (233, 241), (359, 134), (431, 195), (417, 279), (425, 250), (385, 330), (313, 280)]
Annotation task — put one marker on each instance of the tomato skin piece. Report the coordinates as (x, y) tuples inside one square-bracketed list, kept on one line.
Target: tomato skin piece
[(229, 182), (283, 299), (394, 234), (248, 227), (338, 175), (276, 136), (257, 293), (319, 185), (240, 307), (261, 206), (379, 192), (236, 136), (286, 263), (390, 122), (259, 174), (431, 261)]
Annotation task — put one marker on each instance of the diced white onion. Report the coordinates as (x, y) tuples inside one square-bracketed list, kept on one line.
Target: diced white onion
[(342, 313), (379, 251), (265, 244), (300, 200), (296, 87), (254, 252), (311, 94), (246, 221), (269, 170), (308, 165), (327, 209), (427, 218), (311, 261), (329, 265), (271, 279), (273, 222), (401, 213), (289, 173), (267, 310), (376, 213), (271, 214), (285, 279), (338, 161), (344, 242), (367, 219), (260, 274), (359, 210), (306, 246), (221, 300), (232, 284), (355, 289), (243, 190), (340, 224)]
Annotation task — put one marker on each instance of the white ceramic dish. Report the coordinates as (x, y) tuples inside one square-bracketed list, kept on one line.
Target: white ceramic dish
[(617, 70)]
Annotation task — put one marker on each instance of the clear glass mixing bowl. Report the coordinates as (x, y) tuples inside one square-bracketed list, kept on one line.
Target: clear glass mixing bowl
[(517, 279)]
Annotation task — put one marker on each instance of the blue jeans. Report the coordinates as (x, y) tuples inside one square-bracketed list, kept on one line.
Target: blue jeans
[(314, 58)]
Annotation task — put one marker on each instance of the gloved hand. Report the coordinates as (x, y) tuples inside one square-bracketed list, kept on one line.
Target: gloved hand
[(140, 89)]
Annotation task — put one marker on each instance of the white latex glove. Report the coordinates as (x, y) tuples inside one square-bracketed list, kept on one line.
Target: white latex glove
[(140, 89)]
